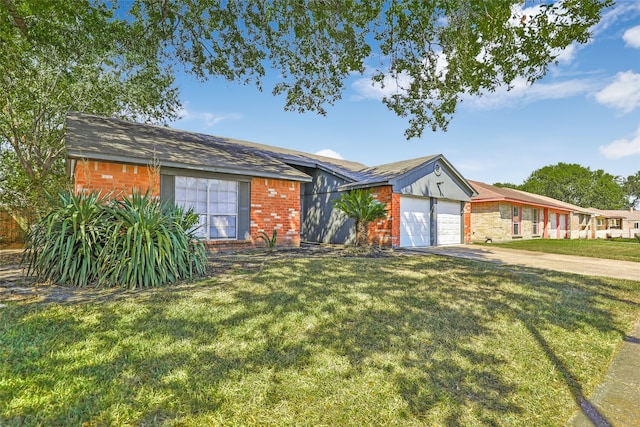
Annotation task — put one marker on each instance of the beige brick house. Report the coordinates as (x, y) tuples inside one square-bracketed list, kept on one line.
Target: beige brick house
[(503, 214)]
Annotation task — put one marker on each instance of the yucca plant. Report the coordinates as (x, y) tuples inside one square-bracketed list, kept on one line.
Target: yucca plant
[(269, 241), (64, 247), (132, 242), (363, 208), (148, 245)]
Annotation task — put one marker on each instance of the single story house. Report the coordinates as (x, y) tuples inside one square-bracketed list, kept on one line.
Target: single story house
[(241, 188), (616, 223), (502, 214)]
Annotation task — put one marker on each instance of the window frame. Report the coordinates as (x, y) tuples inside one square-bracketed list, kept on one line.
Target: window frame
[(516, 220), (535, 221), (206, 218)]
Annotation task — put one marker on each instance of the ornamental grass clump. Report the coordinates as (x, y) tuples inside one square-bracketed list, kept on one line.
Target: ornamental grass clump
[(64, 247), (149, 245), (132, 242)]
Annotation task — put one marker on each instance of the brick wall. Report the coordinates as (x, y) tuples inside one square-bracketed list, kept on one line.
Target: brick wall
[(119, 178), (386, 231), (275, 205), (490, 220), (466, 218)]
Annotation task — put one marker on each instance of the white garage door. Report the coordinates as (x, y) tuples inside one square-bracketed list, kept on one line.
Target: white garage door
[(414, 221), (449, 222)]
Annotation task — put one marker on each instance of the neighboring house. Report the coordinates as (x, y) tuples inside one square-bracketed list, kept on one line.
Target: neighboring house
[(241, 188), (616, 223), (502, 214)]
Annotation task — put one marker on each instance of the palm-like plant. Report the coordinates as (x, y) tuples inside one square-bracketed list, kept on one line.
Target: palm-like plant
[(363, 208)]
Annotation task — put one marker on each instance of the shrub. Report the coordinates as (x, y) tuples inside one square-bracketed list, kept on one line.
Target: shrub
[(148, 245), (65, 245), (132, 242)]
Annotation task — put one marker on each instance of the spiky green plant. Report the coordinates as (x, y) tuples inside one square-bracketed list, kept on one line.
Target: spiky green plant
[(133, 242), (64, 247), (269, 241), (360, 205), (148, 245)]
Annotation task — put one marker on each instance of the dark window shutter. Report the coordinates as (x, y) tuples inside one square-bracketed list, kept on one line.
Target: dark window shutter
[(244, 204)]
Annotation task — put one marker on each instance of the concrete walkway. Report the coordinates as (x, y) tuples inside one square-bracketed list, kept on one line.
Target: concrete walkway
[(615, 402)]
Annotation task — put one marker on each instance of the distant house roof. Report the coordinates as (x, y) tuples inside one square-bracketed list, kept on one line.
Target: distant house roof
[(631, 215), (491, 193), (109, 139)]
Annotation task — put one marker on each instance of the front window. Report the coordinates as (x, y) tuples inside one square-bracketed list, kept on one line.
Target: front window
[(516, 220), (216, 203), (536, 221), (615, 223)]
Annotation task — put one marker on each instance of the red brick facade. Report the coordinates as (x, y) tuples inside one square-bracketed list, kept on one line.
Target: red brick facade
[(118, 178), (386, 231), (275, 205), (467, 222)]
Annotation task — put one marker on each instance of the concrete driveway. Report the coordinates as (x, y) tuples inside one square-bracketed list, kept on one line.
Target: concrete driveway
[(565, 263)]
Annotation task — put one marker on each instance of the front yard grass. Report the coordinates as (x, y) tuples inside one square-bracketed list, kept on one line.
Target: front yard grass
[(595, 248), (404, 340)]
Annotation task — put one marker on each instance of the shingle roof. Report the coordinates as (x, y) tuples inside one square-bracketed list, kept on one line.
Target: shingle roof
[(90, 136), (389, 171), (609, 213), (102, 138), (487, 192), (346, 168)]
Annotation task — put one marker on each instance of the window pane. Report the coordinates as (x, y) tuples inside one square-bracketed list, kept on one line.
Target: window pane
[(215, 200)]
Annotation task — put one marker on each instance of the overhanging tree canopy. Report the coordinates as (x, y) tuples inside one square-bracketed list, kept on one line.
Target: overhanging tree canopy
[(118, 58)]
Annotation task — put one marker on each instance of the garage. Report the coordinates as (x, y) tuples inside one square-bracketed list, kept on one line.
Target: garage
[(449, 223), (415, 221)]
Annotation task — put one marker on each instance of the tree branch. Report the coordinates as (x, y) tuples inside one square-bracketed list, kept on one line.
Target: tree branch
[(17, 19)]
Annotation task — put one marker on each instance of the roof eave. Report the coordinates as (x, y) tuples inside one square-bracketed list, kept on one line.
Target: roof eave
[(177, 165)]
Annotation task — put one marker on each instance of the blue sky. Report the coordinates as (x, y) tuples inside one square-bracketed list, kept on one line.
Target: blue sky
[(586, 111)]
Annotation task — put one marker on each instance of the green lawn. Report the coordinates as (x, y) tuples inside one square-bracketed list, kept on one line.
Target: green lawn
[(406, 340), (628, 250)]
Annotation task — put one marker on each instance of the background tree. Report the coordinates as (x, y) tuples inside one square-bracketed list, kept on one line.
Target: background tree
[(58, 57), (506, 185), (576, 184), (363, 208), (118, 59), (631, 187)]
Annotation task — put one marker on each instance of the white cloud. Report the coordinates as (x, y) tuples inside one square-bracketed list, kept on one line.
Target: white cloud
[(206, 118), (623, 93), (368, 89), (327, 152), (525, 93), (632, 37), (622, 147), (620, 12)]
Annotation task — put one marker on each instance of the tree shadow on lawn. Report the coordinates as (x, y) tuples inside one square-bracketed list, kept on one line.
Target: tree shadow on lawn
[(424, 327)]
